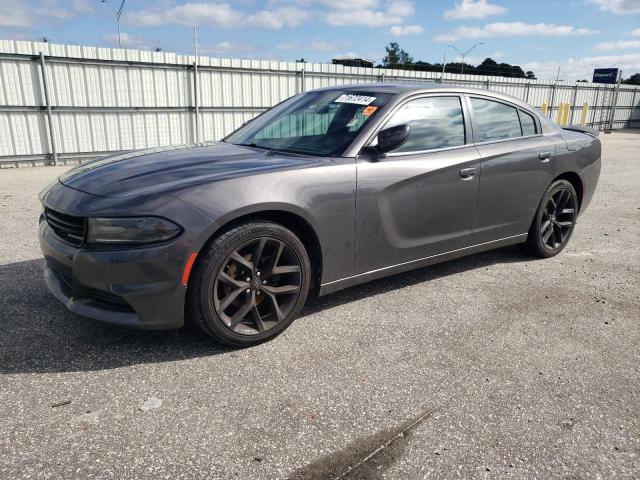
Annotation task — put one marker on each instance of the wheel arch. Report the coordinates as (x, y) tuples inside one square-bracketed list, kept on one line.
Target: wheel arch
[(295, 221), (575, 180)]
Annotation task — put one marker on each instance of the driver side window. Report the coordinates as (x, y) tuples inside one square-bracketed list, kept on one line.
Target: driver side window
[(434, 122)]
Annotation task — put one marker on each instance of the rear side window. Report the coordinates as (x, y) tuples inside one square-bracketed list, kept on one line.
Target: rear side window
[(435, 122), (494, 121), (528, 123)]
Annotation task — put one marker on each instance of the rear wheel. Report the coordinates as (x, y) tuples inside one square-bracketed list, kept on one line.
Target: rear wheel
[(250, 284), (555, 220)]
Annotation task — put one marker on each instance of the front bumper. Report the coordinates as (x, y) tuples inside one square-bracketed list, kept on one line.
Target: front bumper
[(135, 286)]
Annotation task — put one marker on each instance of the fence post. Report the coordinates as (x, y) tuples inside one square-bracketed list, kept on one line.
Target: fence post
[(553, 97), (196, 104), (302, 85), (573, 105), (595, 106), (614, 104), (52, 138), (526, 94), (633, 106)]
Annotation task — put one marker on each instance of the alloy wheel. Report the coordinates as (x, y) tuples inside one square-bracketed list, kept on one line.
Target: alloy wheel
[(558, 219), (257, 286)]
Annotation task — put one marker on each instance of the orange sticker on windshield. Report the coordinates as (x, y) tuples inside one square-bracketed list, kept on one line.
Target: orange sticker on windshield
[(369, 110)]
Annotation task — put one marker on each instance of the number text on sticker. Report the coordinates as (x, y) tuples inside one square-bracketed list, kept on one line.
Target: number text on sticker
[(357, 99)]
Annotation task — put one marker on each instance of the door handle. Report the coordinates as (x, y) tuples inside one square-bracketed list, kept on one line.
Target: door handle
[(544, 156), (468, 173)]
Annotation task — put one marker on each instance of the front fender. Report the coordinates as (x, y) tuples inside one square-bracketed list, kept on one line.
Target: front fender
[(323, 196)]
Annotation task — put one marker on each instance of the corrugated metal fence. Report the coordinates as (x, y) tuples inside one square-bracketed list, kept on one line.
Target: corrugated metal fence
[(63, 102)]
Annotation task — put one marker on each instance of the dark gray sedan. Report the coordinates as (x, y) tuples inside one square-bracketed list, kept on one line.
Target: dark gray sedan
[(328, 189)]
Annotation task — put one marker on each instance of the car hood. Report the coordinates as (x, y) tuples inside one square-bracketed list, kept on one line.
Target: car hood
[(173, 168)]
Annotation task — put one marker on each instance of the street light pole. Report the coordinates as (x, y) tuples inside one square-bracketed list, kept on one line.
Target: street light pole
[(444, 61), (118, 15), (464, 54)]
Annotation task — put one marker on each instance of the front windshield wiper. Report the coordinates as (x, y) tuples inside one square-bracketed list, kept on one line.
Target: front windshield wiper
[(283, 150), (253, 145)]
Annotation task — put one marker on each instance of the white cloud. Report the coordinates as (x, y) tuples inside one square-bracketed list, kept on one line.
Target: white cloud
[(287, 46), (402, 30), (221, 15), (17, 14), (14, 15), (226, 48), (619, 7), (394, 14), (128, 41), (367, 13), (320, 46), (275, 19), (340, 56), (474, 9), (513, 29), (582, 68), (81, 6), (347, 4), (620, 45), (635, 33)]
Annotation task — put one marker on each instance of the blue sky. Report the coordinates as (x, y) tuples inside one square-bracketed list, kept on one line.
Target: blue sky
[(538, 35)]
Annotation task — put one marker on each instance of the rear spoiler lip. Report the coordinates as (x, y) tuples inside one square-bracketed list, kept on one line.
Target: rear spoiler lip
[(586, 130)]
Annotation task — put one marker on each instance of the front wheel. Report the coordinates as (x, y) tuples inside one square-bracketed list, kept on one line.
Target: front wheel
[(250, 284), (554, 221)]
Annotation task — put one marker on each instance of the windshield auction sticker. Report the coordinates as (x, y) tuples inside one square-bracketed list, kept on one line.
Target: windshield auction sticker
[(357, 99)]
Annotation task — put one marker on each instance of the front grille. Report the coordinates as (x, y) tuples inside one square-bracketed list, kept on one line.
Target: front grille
[(68, 228)]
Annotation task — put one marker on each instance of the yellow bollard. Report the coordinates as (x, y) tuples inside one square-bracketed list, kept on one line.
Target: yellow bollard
[(566, 113), (583, 117), (544, 108), (560, 113)]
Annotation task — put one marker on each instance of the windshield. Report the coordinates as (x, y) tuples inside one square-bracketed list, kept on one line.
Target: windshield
[(321, 123)]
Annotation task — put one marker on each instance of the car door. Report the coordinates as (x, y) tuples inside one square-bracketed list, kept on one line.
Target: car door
[(418, 200), (516, 167)]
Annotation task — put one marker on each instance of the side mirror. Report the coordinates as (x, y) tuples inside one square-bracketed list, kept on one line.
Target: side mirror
[(391, 138)]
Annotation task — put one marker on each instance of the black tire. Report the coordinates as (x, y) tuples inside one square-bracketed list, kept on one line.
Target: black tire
[(554, 221), (254, 314)]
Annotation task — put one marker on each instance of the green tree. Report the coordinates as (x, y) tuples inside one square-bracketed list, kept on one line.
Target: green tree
[(396, 57), (488, 67), (633, 79)]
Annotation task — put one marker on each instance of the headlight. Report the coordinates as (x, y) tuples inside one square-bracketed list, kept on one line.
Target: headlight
[(131, 230)]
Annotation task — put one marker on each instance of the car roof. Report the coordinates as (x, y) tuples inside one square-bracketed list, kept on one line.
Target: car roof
[(406, 89)]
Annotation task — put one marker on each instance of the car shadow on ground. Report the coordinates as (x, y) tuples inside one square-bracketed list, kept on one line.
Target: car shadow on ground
[(38, 334)]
